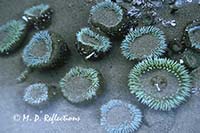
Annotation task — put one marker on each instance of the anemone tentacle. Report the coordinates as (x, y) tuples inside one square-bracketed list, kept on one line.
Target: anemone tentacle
[(138, 33), (108, 4), (40, 8), (51, 53), (195, 42), (100, 46), (112, 26), (166, 102), (38, 16), (36, 94), (127, 126), (89, 74), (14, 32)]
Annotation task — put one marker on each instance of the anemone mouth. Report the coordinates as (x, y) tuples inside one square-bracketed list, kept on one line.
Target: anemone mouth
[(80, 84), (11, 34), (39, 49), (194, 36), (37, 11), (118, 116), (106, 13), (144, 42), (161, 84), (89, 38), (36, 94)]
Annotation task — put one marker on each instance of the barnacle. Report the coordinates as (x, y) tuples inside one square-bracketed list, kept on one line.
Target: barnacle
[(36, 94), (11, 35), (91, 44), (120, 117), (144, 42), (45, 49), (107, 16), (161, 84), (193, 34), (39, 16), (80, 84)]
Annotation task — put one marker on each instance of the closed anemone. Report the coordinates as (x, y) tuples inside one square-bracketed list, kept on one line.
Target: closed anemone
[(91, 44), (161, 84), (195, 74), (107, 16), (80, 84), (193, 34), (11, 35), (191, 58), (39, 16), (36, 94), (143, 43), (120, 117)]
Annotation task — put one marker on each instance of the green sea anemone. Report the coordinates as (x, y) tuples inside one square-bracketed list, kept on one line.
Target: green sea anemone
[(36, 94), (195, 74), (120, 117), (45, 49), (91, 44), (144, 42), (107, 16), (11, 35), (161, 84), (191, 58), (193, 34), (39, 16), (80, 84)]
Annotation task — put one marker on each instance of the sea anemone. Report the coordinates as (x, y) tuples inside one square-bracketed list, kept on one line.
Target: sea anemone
[(120, 117), (144, 42), (39, 16), (195, 74), (107, 16), (36, 94), (45, 49), (91, 44), (193, 34), (161, 84), (11, 35), (80, 84), (191, 58)]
